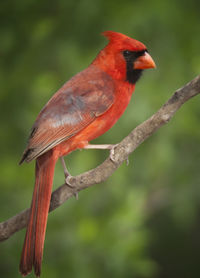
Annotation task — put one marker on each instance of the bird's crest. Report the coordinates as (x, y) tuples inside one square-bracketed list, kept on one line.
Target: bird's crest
[(121, 41)]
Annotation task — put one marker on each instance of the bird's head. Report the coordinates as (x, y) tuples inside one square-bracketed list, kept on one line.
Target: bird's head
[(124, 58)]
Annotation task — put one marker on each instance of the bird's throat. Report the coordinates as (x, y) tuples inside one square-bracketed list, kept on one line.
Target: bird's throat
[(132, 75)]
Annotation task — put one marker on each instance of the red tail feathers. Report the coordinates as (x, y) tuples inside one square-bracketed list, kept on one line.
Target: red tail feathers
[(34, 241)]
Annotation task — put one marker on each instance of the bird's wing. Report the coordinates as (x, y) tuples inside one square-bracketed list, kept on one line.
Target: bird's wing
[(86, 96)]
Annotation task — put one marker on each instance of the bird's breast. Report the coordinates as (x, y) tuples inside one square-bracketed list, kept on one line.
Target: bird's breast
[(102, 123)]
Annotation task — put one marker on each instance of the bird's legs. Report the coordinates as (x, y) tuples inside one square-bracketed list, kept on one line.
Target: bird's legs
[(67, 176), (110, 147), (66, 172)]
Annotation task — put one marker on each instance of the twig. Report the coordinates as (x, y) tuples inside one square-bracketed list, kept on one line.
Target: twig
[(122, 151)]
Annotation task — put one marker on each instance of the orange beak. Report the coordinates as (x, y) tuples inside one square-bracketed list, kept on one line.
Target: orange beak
[(144, 62)]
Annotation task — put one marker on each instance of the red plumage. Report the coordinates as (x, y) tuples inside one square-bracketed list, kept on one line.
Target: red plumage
[(85, 107)]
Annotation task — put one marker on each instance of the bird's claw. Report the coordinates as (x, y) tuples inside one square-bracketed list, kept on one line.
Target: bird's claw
[(68, 183), (112, 153)]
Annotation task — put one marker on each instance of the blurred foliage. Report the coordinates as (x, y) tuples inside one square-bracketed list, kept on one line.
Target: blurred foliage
[(144, 221)]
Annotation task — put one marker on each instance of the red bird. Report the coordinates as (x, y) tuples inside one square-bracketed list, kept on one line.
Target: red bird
[(85, 107)]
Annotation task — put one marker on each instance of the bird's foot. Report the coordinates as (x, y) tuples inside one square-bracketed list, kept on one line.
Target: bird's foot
[(68, 183), (68, 177), (110, 147), (112, 152)]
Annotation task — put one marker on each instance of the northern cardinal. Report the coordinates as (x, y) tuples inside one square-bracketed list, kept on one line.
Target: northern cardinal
[(84, 108)]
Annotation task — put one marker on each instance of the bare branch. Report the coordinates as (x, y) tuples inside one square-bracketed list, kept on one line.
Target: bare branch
[(122, 151)]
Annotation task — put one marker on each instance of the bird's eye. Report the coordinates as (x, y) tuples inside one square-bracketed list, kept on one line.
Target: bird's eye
[(126, 53)]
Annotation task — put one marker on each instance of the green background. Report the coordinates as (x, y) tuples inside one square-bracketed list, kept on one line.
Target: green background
[(144, 221)]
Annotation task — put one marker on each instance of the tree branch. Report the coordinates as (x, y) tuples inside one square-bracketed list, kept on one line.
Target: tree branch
[(122, 151)]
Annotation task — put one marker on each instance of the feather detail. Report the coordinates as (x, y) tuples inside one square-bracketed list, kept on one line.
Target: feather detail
[(34, 241)]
